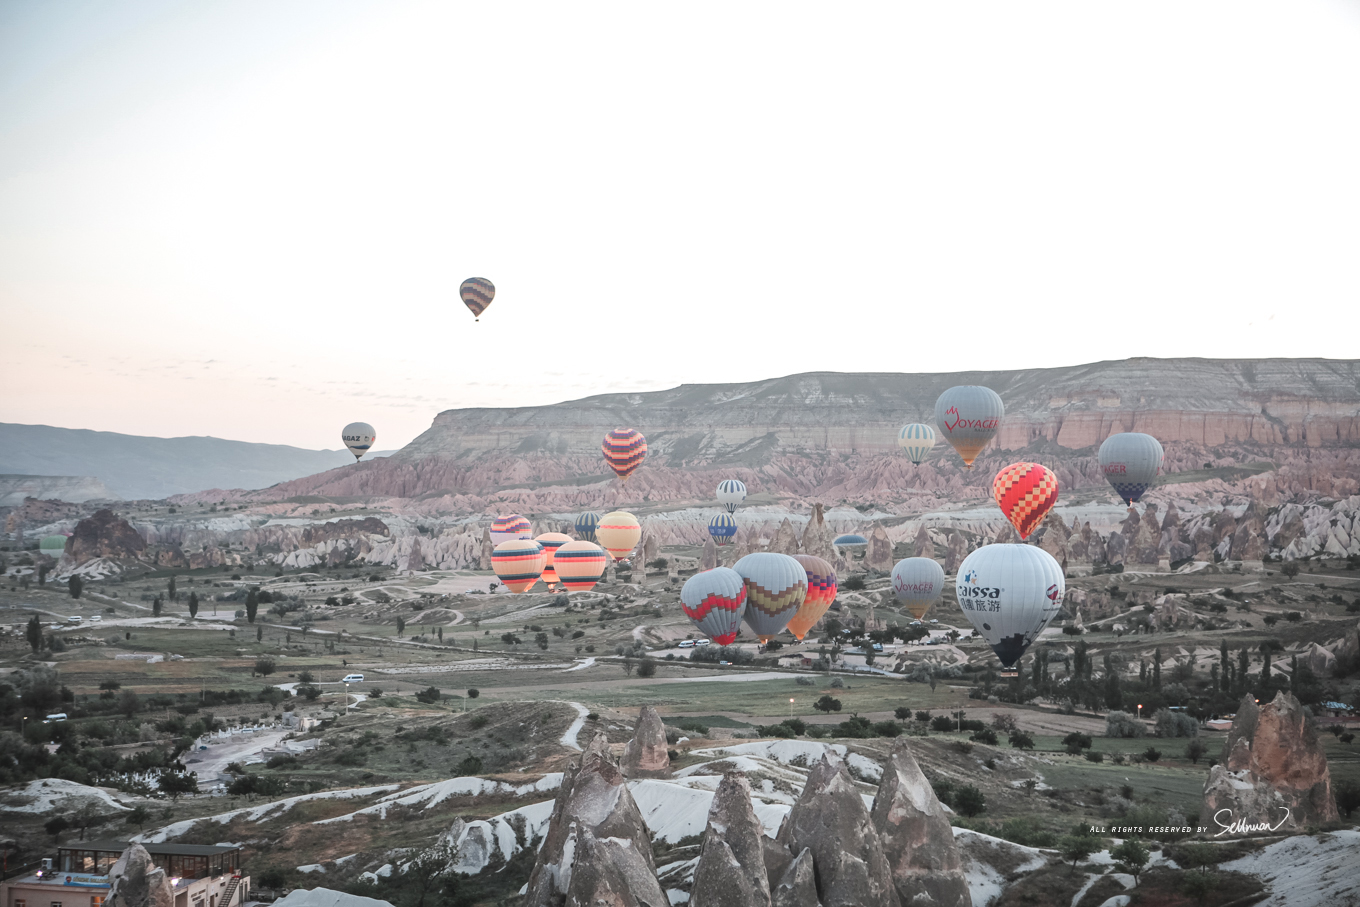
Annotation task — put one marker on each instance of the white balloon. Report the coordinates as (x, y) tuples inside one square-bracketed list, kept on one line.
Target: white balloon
[(1009, 593), (917, 582), (731, 492), (358, 437), (1131, 462), (916, 439)]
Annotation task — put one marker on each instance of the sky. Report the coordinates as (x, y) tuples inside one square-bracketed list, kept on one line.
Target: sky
[(250, 219)]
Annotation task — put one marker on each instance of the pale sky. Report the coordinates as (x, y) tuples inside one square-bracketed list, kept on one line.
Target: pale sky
[(250, 219)]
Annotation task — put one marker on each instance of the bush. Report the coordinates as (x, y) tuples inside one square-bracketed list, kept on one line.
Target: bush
[(1122, 724), (1075, 742), (1021, 740), (970, 801), (470, 765), (1347, 795), (1094, 757), (888, 729), (853, 584), (827, 704), (986, 735), (942, 723), (428, 695), (1152, 754), (1167, 723), (923, 716)]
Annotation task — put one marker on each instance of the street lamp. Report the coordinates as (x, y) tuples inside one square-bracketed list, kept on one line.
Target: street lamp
[(790, 706), (1140, 710), (346, 699)]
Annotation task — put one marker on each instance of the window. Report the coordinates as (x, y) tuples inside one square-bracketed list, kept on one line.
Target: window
[(56, 904), (20, 902)]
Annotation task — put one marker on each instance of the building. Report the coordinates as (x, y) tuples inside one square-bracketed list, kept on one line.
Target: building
[(201, 875)]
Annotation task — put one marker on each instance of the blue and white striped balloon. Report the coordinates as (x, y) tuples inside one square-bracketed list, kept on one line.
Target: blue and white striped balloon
[(917, 440), (722, 527), (731, 492)]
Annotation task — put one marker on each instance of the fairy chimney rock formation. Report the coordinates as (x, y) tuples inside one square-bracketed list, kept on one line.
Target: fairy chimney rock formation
[(917, 837), (958, 550), (924, 546), (1273, 772), (797, 886), (646, 755), (484, 557), (709, 558), (597, 850), (785, 539), (831, 820), (817, 537), (136, 882), (105, 534), (879, 555), (731, 868)]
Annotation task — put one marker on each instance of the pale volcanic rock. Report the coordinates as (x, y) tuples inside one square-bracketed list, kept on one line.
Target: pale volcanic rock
[(343, 529), (817, 536), (797, 886), (1318, 659), (135, 881), (1145, 538), (484, 551), (171, 557), (917, 837), (709, 558), (1272, 761), (646, 754), (731, 868), (785, 539), (1115, 549), (956, 551), (923, 546), (597, 850), (105, 534), (879, 555), (831, 820), (415, 560)]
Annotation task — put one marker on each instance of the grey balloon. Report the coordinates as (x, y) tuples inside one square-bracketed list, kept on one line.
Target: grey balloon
[(917, 582), (1131, 462), (968, 417)]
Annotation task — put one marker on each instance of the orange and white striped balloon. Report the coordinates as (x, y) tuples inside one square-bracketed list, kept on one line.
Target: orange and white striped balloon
[(1025, 492), (551, 541), (580, 565), (619, 533), (518, 563)]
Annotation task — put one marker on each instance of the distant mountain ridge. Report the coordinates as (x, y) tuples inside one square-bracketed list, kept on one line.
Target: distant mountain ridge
[(135, 467)]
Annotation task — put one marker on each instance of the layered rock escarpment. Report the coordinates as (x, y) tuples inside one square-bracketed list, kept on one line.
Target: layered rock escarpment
[(105, 534), (1273, 773)]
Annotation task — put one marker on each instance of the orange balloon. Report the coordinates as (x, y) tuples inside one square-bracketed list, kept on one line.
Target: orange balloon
[(1025, 492)]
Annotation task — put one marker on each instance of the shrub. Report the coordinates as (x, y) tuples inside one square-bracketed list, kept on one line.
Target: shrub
[(1094, 757), (1075, 742), (853, 584), (1152, 754), (1021, 740), (1004, 721), (986, 735), (923, 716), (1167, 723), (1195, 750), (888, 729), (1122, 724), (827, 704), (942, 723), (970, 801), (428, 695), (470, 765)]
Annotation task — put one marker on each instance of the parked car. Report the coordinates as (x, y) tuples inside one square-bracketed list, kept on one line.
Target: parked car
[(686, 643), (353, 678)]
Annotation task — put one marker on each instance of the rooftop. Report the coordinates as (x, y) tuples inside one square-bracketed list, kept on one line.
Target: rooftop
[(156, 850)]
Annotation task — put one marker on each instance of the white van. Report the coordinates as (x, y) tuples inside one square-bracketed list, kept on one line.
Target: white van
[(686, 643), (701, 642), (96, 617), (353, 678), (74, 618), (55, 716)]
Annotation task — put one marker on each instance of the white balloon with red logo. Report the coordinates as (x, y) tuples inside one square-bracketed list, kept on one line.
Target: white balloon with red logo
[(1010, 593)]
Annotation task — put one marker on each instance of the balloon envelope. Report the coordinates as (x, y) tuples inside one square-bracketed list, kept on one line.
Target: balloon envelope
[(619, 532), (585, 525), (551, 541), (722, 527), (821, 592), (917, 582), (715, 601), (508, 527), (968, 417), (477, 293), (1131, 462), (1010, 593), (358, 437), (916, 440), (624, 450), (1025, 492), (850, 541), (731, 492), (518, 563), (580, 564), (776, 585)]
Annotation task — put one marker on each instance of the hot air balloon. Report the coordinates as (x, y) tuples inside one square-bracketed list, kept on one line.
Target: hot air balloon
[(1025, 492), (477, 293), (776, 586), (619, 532), (585, 525), (1010, 593), (53, 546), (510, 526), (1131, 462), (731, 492), (551, 541), (968, 417), (358, 437), (916, 439), (518, 563), (917, 582), (821, 580), (851, 541), (624, 450), (579, 565), (715, 601), (722, 527)]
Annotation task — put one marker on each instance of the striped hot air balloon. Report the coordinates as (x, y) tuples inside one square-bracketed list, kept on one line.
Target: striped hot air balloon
[(1131, 462), (722, 527), (916, 440), (551, 541), (586, 524), (776, 585), (968, 416), (508, 527), (619, 532), (821, 592), (1025, 492), (477, 293), (715, 601), (624, 450), (731, 492), (518, 563), (917, 582), (579, 565)]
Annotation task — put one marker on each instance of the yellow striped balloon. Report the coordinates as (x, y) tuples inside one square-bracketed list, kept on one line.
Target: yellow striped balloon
[(916, 440), (477, 293), (518, 563), (551, 541), (619, 533), (580, 565)]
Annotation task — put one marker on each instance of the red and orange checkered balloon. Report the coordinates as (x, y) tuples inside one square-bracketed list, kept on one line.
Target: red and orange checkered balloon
[(1025, 492)]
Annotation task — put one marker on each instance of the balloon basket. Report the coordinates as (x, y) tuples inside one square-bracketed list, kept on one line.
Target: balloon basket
[(1006, 674)]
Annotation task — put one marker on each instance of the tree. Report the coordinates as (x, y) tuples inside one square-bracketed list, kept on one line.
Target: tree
[(647, 667), (193, 605), (259, 634), (1076, 742), (628, 665), (273, 879), (252, 603), (1114, 696), (827, 704), (42, 575), (1224, 665), (1157, 668), (139, 817), (128, 703), (1022, 741), (970, 801), (1075, 848), (86, 816), (177, 783), (1290, 570), (309, 691), (33, 632), (75, 585), (1132, 857), (429, 695), (441, 635), (401, 625), (1347, 797), (264, 666), (55, 826), (902, 713), (541, 640), (174, 595), (156, 606), (1195, 750), (473, 693)]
